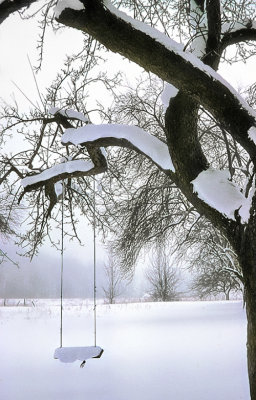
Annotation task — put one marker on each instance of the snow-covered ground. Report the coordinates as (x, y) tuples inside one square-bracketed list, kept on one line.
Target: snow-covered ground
[(178, 351)]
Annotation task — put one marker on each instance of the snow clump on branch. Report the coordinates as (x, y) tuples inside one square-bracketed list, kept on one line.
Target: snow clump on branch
[(252, 134), (62, 4), (69, 114), (169, 92), (215, 188)]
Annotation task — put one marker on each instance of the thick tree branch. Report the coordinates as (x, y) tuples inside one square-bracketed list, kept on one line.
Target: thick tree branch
[(238, 36), (182, 128), (177, 67), (187, 155), (8, 7), (214, 31)]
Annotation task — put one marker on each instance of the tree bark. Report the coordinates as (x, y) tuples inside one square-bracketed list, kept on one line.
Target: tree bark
[(250, 298), (245, 248)]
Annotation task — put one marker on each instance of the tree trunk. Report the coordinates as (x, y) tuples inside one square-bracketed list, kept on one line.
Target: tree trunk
[(250, 298), (247, 258)]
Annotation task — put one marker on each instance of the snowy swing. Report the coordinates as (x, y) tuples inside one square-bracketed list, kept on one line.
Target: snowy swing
[(72, 354)]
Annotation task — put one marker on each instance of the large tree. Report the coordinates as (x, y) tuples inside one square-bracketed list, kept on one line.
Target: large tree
[(207, 29)]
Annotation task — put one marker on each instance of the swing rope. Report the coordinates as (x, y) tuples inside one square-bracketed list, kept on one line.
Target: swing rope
[(94, 265), (62, 264)]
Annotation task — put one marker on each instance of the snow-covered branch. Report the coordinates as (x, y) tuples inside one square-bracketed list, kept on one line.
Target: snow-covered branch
[(69, 169), (128, 136), (233, 33)]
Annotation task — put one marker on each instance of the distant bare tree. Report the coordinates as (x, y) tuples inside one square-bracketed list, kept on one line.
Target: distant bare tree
[(214, 281), (213, 262), (162, 277), (114, 277)]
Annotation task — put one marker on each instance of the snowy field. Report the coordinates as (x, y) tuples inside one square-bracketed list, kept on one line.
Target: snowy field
[(176, 351)]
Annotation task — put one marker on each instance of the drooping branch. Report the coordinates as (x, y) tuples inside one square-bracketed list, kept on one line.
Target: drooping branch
[(138, 42), (69, 169)]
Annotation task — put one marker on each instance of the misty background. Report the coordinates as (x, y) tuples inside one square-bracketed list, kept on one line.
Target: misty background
[(40, 277)]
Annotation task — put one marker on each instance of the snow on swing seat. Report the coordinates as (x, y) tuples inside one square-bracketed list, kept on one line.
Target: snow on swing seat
[(71, 354)]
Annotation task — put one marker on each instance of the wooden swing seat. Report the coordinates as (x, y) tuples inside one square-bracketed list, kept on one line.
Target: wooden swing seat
[(72, 354)]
